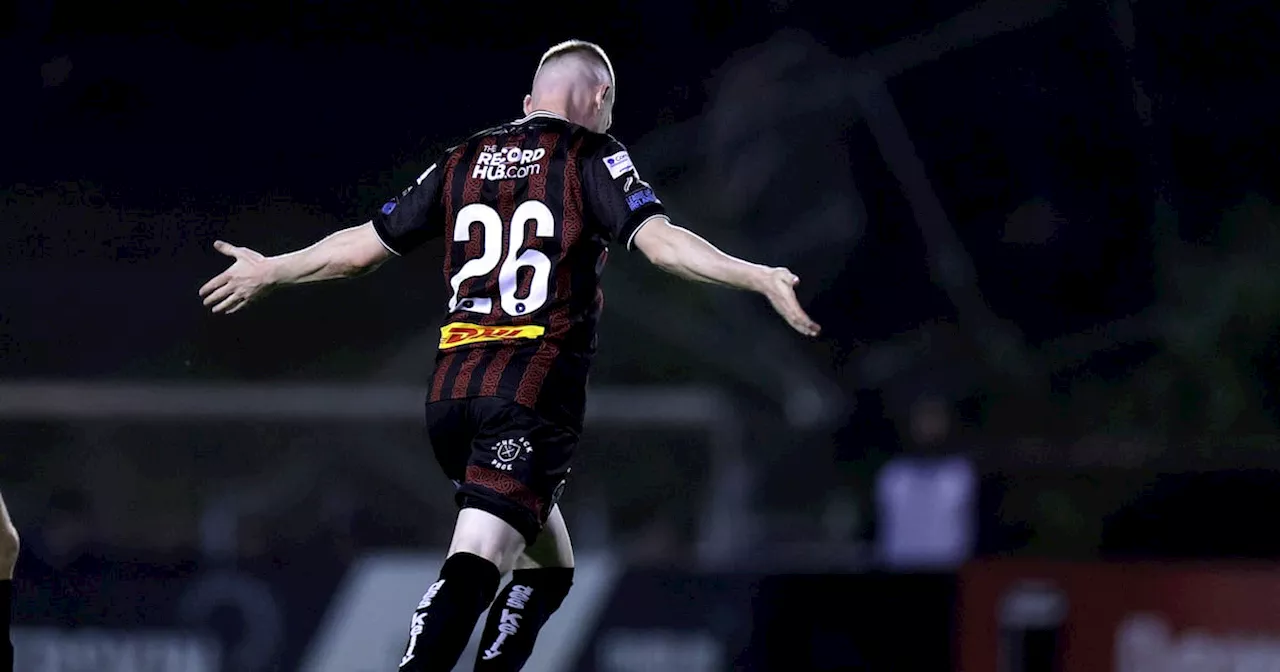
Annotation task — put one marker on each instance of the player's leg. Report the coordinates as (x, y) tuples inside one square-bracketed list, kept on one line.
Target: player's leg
[(542, 578), (8, 559), (552, 549), (482, 543), (484, 547), (504, 492)]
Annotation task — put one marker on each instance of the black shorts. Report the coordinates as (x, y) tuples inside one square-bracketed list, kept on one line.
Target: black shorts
[(504, 458)]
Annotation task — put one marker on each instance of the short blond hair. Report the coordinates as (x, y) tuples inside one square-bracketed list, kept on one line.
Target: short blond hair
[(578, 47)]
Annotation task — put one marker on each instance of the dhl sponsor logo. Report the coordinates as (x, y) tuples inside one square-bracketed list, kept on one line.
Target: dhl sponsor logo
[(460, 333)]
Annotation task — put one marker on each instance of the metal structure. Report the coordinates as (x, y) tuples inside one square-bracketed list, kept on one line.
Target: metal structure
[(724, 525)]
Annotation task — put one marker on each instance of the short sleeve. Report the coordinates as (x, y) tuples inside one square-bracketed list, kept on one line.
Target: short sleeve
[(415, 216), (617, 196)]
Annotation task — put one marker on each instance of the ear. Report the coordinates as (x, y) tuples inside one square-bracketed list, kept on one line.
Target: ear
[(528, 105), (602, 94)]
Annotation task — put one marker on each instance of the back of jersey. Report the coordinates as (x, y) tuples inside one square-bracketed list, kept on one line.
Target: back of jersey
[(527, 211), (514, 236)]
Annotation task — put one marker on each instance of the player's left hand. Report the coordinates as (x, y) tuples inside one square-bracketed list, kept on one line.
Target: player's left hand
[(780, 289), (247, 280)]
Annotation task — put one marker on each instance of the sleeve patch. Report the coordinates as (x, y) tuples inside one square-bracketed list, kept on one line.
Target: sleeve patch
[(641, 198), (618, 164)]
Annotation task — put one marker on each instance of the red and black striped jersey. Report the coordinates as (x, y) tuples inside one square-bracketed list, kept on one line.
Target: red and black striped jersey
[(527, 211)]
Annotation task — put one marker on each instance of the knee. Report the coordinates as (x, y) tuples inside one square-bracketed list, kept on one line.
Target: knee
[(502, 556), (527, 561), (546, 556), (484, 534), (554, 548)]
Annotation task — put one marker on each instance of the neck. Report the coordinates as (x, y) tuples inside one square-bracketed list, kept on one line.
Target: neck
[(556, 102)]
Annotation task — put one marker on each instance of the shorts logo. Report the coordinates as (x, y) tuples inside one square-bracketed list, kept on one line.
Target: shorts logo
[(619, 164), (389, 207), (461, 333), (641, 198), (508, 450)]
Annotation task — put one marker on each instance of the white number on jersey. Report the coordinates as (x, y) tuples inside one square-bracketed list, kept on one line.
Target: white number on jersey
[(512, 260)]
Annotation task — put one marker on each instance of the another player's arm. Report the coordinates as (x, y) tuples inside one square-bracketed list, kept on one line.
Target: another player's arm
[(634, 215), (8, 543), (401, 225), (8, 560)]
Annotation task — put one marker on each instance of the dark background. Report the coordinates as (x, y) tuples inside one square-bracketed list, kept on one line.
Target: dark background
[(1057, 218)]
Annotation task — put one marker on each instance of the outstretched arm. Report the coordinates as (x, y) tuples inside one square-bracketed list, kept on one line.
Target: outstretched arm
[(398, 227), (632, 213), (684, 253), (344, 254)]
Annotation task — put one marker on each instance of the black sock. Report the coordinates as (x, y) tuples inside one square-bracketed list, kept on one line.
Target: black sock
[(447, 614), (6, 646), (515, 618)]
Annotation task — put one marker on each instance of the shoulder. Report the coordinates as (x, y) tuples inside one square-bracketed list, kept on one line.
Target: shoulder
[(484, 133), (473, 140), (600, 143), (470, 144), (606, 150)]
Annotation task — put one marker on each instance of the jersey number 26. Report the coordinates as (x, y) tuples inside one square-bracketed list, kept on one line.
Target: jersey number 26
[(511, 260)]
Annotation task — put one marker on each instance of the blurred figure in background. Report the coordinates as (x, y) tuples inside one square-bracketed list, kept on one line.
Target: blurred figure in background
[(65, 542), (927, 497), (64, 564), (8, 558)]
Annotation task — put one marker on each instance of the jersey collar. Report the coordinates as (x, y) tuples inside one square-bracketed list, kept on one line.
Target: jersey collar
[(541, 114)]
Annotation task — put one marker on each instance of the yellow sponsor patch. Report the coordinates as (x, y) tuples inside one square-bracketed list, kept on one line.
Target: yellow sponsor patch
[(461, 333)]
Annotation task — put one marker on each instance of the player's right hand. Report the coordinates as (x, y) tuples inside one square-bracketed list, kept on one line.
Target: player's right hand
[(780, 289), (9, 543), (248, 279)]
